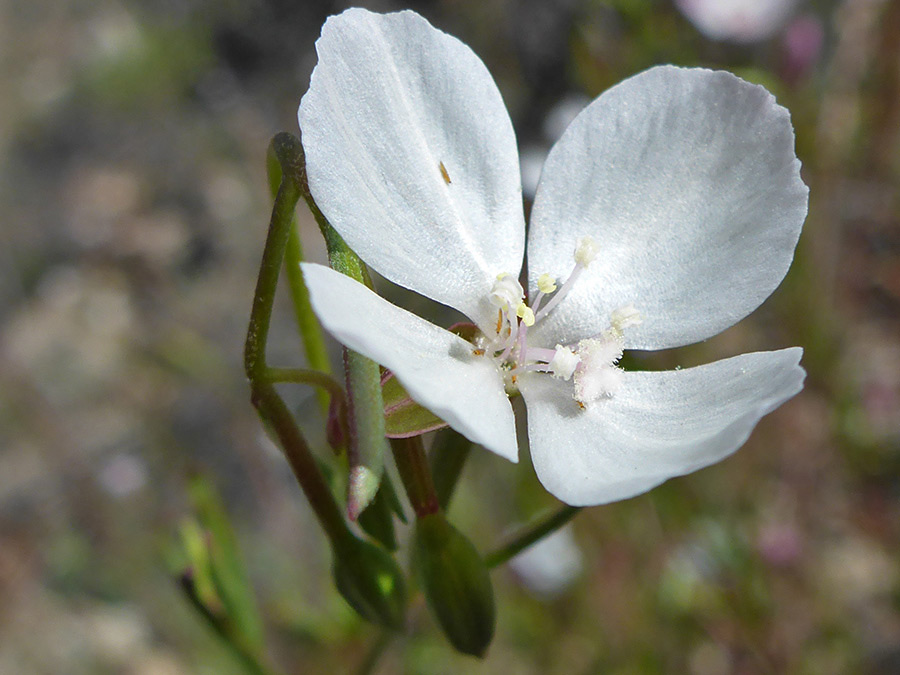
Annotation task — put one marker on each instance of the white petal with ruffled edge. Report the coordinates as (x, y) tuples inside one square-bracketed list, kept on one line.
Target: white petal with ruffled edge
[(436, 367), (688, 181), (392, 105), (656, 426)]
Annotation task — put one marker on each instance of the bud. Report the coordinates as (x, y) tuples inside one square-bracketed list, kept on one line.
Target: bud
[(456, 584), (370, 581)]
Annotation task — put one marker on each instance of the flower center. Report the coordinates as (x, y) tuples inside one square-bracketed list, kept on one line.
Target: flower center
[(590, 364)]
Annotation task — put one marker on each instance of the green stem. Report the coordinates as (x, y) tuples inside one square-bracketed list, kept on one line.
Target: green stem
[(376, 651), (310, 330), (363, 376), (251, 661), (448, 455), (530, 534), (313, 378), (273, 409), (263, 395), (412, 464)]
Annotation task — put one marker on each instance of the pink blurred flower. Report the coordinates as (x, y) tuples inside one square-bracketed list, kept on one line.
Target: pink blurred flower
[(742, 21)]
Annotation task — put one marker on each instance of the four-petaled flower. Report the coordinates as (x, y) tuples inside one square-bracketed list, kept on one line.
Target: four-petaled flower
[(668, 211)]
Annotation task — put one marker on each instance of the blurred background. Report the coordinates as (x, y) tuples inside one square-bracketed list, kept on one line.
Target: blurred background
[(134, 210)]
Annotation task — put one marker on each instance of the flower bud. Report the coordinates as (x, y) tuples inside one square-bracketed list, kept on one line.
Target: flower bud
[(456, 584), (370, 581)]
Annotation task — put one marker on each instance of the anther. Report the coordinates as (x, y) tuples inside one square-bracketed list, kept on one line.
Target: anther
[(525, 313), (586, 249), (546, 283)]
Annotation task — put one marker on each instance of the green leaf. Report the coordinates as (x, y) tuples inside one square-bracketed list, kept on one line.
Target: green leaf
[(199, 568), (403, 417)]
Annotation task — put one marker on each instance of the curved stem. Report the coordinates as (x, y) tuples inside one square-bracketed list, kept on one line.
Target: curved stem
[(308, 325), (412, 464), (448, 455), (530, 534), (376, 651), (313, 378), (262, 392), (274, 411)]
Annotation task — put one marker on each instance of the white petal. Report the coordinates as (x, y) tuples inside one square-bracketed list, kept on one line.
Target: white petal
[(391, 100), (688, 181), (656, 426), (436, 367)]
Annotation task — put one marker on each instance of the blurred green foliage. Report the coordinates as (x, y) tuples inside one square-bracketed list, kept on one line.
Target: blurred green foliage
[(132, 145)]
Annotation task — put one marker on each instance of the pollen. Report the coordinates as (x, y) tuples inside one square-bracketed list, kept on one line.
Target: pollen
[(525, 313), (546, 283), (624, 317), (586, 249), (564, 363)]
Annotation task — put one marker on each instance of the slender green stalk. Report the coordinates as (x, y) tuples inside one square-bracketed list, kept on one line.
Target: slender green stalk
[(412, 464), (274, 411), (263, 394), (247, 657), (530, 534), (313, 378), (376, 651), (447, 458), (310, 330), (363, 376)]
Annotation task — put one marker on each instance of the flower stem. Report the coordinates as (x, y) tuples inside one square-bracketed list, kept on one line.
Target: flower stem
[(248, 657), (263, 395), (310, 330), (363, 376), (376, 651), (313, 378), (448, 455), (530, 534), (412, 464)]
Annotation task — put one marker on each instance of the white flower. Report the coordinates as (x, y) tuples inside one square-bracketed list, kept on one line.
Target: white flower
[(737, 20), (668, 211)]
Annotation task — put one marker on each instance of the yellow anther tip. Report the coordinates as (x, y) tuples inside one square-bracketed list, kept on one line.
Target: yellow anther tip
[(546, 283), (525, 313)]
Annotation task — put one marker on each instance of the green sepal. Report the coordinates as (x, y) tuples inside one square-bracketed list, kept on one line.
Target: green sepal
[(371, 582), (448, 456), (456, 583), (403, 417)]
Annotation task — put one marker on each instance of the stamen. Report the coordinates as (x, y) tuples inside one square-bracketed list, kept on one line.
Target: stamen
[(506, 291), (561, 293), (530, 368), (525, 313), (511, 336), (546, 283), (586, 250), (624, 317), (564, 362)]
